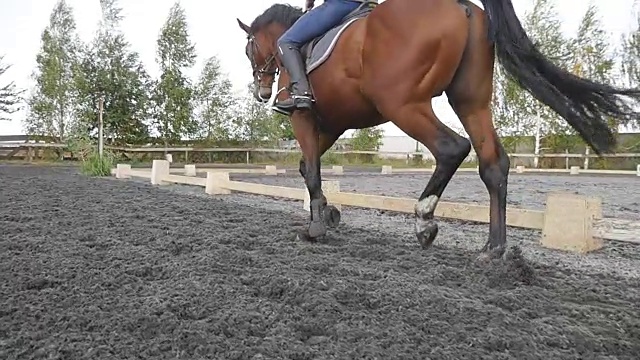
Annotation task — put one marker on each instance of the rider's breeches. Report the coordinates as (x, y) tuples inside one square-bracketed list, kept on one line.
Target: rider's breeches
[(317, 22)]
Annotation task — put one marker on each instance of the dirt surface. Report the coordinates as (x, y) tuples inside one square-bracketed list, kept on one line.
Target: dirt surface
[(107, 269)]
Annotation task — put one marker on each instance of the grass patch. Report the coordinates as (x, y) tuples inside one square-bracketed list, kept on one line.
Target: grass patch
[(94, 165), (91, 164)]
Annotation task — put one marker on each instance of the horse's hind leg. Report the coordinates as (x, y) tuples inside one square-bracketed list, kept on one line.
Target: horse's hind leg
[(449, 149), (470, 97), (494, 169)]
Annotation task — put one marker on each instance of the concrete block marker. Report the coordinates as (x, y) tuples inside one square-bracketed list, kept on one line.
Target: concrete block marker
[(569, 222), (169, 158), (270, 170), (123, 171), (217, 183), (159, 170), (190, 170), (638, 170), (519, 169), (328, 187), (387, 170), (338, 170), (575, 170)]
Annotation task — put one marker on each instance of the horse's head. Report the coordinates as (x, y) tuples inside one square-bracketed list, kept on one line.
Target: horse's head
[(261, 48)]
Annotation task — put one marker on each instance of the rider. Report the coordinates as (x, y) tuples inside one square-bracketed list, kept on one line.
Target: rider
[(312, 24)]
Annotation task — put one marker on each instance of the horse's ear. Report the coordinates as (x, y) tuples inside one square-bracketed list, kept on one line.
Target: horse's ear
[(243, 26)]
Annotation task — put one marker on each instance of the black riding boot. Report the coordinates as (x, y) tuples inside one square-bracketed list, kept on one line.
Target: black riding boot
[(301, 97)]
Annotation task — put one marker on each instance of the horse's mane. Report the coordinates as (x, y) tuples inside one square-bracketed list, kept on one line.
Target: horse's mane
[(283, 14)]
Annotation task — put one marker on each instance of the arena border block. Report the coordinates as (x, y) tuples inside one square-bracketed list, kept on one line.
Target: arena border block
[(190, 170), (574, 170), (386, 170), (270, 170), (569, 222), (123, 171), (159, 171), (328, 187), (337, 170), (217, 183)]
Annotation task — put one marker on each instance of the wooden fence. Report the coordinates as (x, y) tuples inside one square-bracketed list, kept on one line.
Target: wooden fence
[(569, 222)]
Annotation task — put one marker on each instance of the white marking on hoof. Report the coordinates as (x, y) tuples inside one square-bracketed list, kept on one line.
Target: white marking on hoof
[(422, 208), (426, 205)]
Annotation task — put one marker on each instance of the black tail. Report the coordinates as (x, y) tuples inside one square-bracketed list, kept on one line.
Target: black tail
[(584, 104)]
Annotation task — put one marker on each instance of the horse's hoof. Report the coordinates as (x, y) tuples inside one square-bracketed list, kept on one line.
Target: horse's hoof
[(489, 254), (331, 216), (303, 236), (317, 229), (426, 231)]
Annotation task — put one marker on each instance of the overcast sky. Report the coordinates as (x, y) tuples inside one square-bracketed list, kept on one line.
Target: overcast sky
[(213, 28)]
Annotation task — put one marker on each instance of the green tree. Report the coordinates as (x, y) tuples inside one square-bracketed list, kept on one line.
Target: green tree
[(517, 113), (284, 124), (111, 71), (52, 102), (9, 94), (591, 59), (213, 100), (369, 139), (630, 62), (173, 92), (257, 124)]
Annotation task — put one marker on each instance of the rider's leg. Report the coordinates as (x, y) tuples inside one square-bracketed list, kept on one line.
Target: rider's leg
[(314, 23)]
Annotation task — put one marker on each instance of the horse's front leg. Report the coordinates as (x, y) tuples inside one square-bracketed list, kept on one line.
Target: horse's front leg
[(307, 134)]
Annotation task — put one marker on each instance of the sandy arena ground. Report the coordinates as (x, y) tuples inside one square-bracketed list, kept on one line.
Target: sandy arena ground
[(112, 269)]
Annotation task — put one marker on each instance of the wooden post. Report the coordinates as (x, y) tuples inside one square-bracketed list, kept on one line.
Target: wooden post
[(568, 222), (100, 127)]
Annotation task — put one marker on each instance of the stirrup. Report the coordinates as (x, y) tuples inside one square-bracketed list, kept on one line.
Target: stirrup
[(295, 102)]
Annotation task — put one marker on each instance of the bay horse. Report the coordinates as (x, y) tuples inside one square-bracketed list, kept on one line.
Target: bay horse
[(389, 64)]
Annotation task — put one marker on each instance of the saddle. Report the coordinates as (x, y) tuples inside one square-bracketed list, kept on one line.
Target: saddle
[(318, 50)]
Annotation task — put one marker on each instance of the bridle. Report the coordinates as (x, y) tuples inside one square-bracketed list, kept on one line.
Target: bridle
[(268, 68)]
